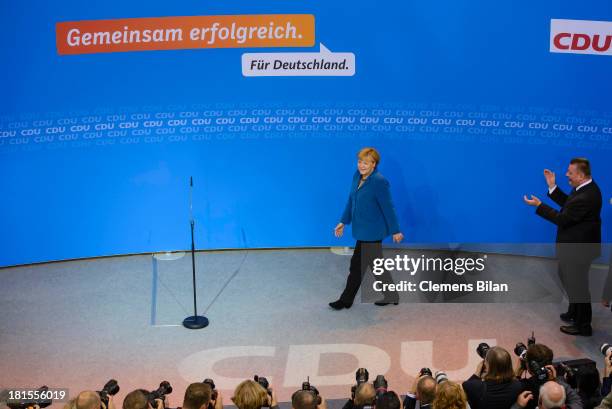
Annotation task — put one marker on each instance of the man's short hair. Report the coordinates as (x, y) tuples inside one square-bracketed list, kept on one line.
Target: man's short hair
[(388, 400), (540, 353), (197, 394), (87, 400), (364, 395), (583, 165), (303, 400), (136, 400), (552, 396), (426, 389)]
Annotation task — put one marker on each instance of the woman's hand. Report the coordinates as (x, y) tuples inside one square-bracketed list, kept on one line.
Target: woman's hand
[(339, 230), (398, 237)]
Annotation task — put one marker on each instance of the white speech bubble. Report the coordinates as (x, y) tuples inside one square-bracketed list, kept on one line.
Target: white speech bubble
[(321, 64)]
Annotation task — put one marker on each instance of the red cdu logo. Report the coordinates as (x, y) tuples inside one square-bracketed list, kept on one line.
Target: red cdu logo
[(581, 37)]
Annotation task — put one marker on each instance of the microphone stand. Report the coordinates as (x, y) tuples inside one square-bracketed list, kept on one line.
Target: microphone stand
[(195, 321)]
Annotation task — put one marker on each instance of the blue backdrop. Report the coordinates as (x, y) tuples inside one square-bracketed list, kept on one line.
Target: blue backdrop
[(448, 91)]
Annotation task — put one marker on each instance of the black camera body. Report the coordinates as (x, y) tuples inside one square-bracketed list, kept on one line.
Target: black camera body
[(482, 349), (264, 383), (361, 376), (520, 349), (570, 369), (539, 372), (425, 372), (380, 385), (160, 393), (110, 388), (214, 394)]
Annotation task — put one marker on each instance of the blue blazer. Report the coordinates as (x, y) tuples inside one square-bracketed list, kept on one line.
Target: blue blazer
[(370, 208)]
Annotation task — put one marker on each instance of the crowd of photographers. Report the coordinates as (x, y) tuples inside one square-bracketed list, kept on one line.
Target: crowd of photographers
[(536, 382)]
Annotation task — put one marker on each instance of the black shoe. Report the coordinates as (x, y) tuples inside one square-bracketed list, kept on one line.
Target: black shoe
[(338, 305), (585, 330), (383, 303), (567, 317)]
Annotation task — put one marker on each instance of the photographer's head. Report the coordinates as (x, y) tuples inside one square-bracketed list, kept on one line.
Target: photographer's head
[(426, 389), (498, 365), (450, 395), (304, 400), (197, 396), (88, 400), (250, 395), (388, 400), (588, 381), (552, 396), (364, 395), (539, 353), (137, 400)]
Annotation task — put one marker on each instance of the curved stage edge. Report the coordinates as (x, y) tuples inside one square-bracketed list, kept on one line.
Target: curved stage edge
[(79, 323)]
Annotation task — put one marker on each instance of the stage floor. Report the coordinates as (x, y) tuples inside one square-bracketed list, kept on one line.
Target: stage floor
[(77, 324)]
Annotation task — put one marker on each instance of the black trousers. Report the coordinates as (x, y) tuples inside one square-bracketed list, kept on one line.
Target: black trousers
[(362, 260), (574, 276)]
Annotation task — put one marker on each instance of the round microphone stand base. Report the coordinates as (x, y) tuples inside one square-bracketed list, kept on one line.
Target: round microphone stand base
[(195, 322)]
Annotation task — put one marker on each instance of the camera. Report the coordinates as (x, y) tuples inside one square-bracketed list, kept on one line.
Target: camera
[(569, 373), (604, 349), (540, 373), (520, 350), (361, 376), (109, 389), (306, 386), (211, 383), (441, 377), (482, 349), (380, 385), (425, 371), (160, 393), (264, 383), (531, 340)]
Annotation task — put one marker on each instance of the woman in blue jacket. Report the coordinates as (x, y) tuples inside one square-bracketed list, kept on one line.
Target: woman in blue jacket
[(370, 210)]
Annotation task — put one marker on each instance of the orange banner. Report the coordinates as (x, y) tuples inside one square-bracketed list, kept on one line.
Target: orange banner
[(172, 33)]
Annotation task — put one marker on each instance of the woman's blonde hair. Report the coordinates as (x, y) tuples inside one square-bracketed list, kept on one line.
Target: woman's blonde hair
[(449, 395), (371, 152), (250, 395)]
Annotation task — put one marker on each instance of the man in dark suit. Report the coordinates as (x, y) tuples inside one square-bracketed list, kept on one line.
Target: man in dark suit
[(578, 238)]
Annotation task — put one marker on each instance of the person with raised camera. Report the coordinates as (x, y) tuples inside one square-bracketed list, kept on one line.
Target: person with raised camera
[(450, 395), (305, 399), (141, 399), (364, 396), (200, 395), (251, 394), (536, 369), (422, 392), (493, 385), (588, 385), (388, 400)]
